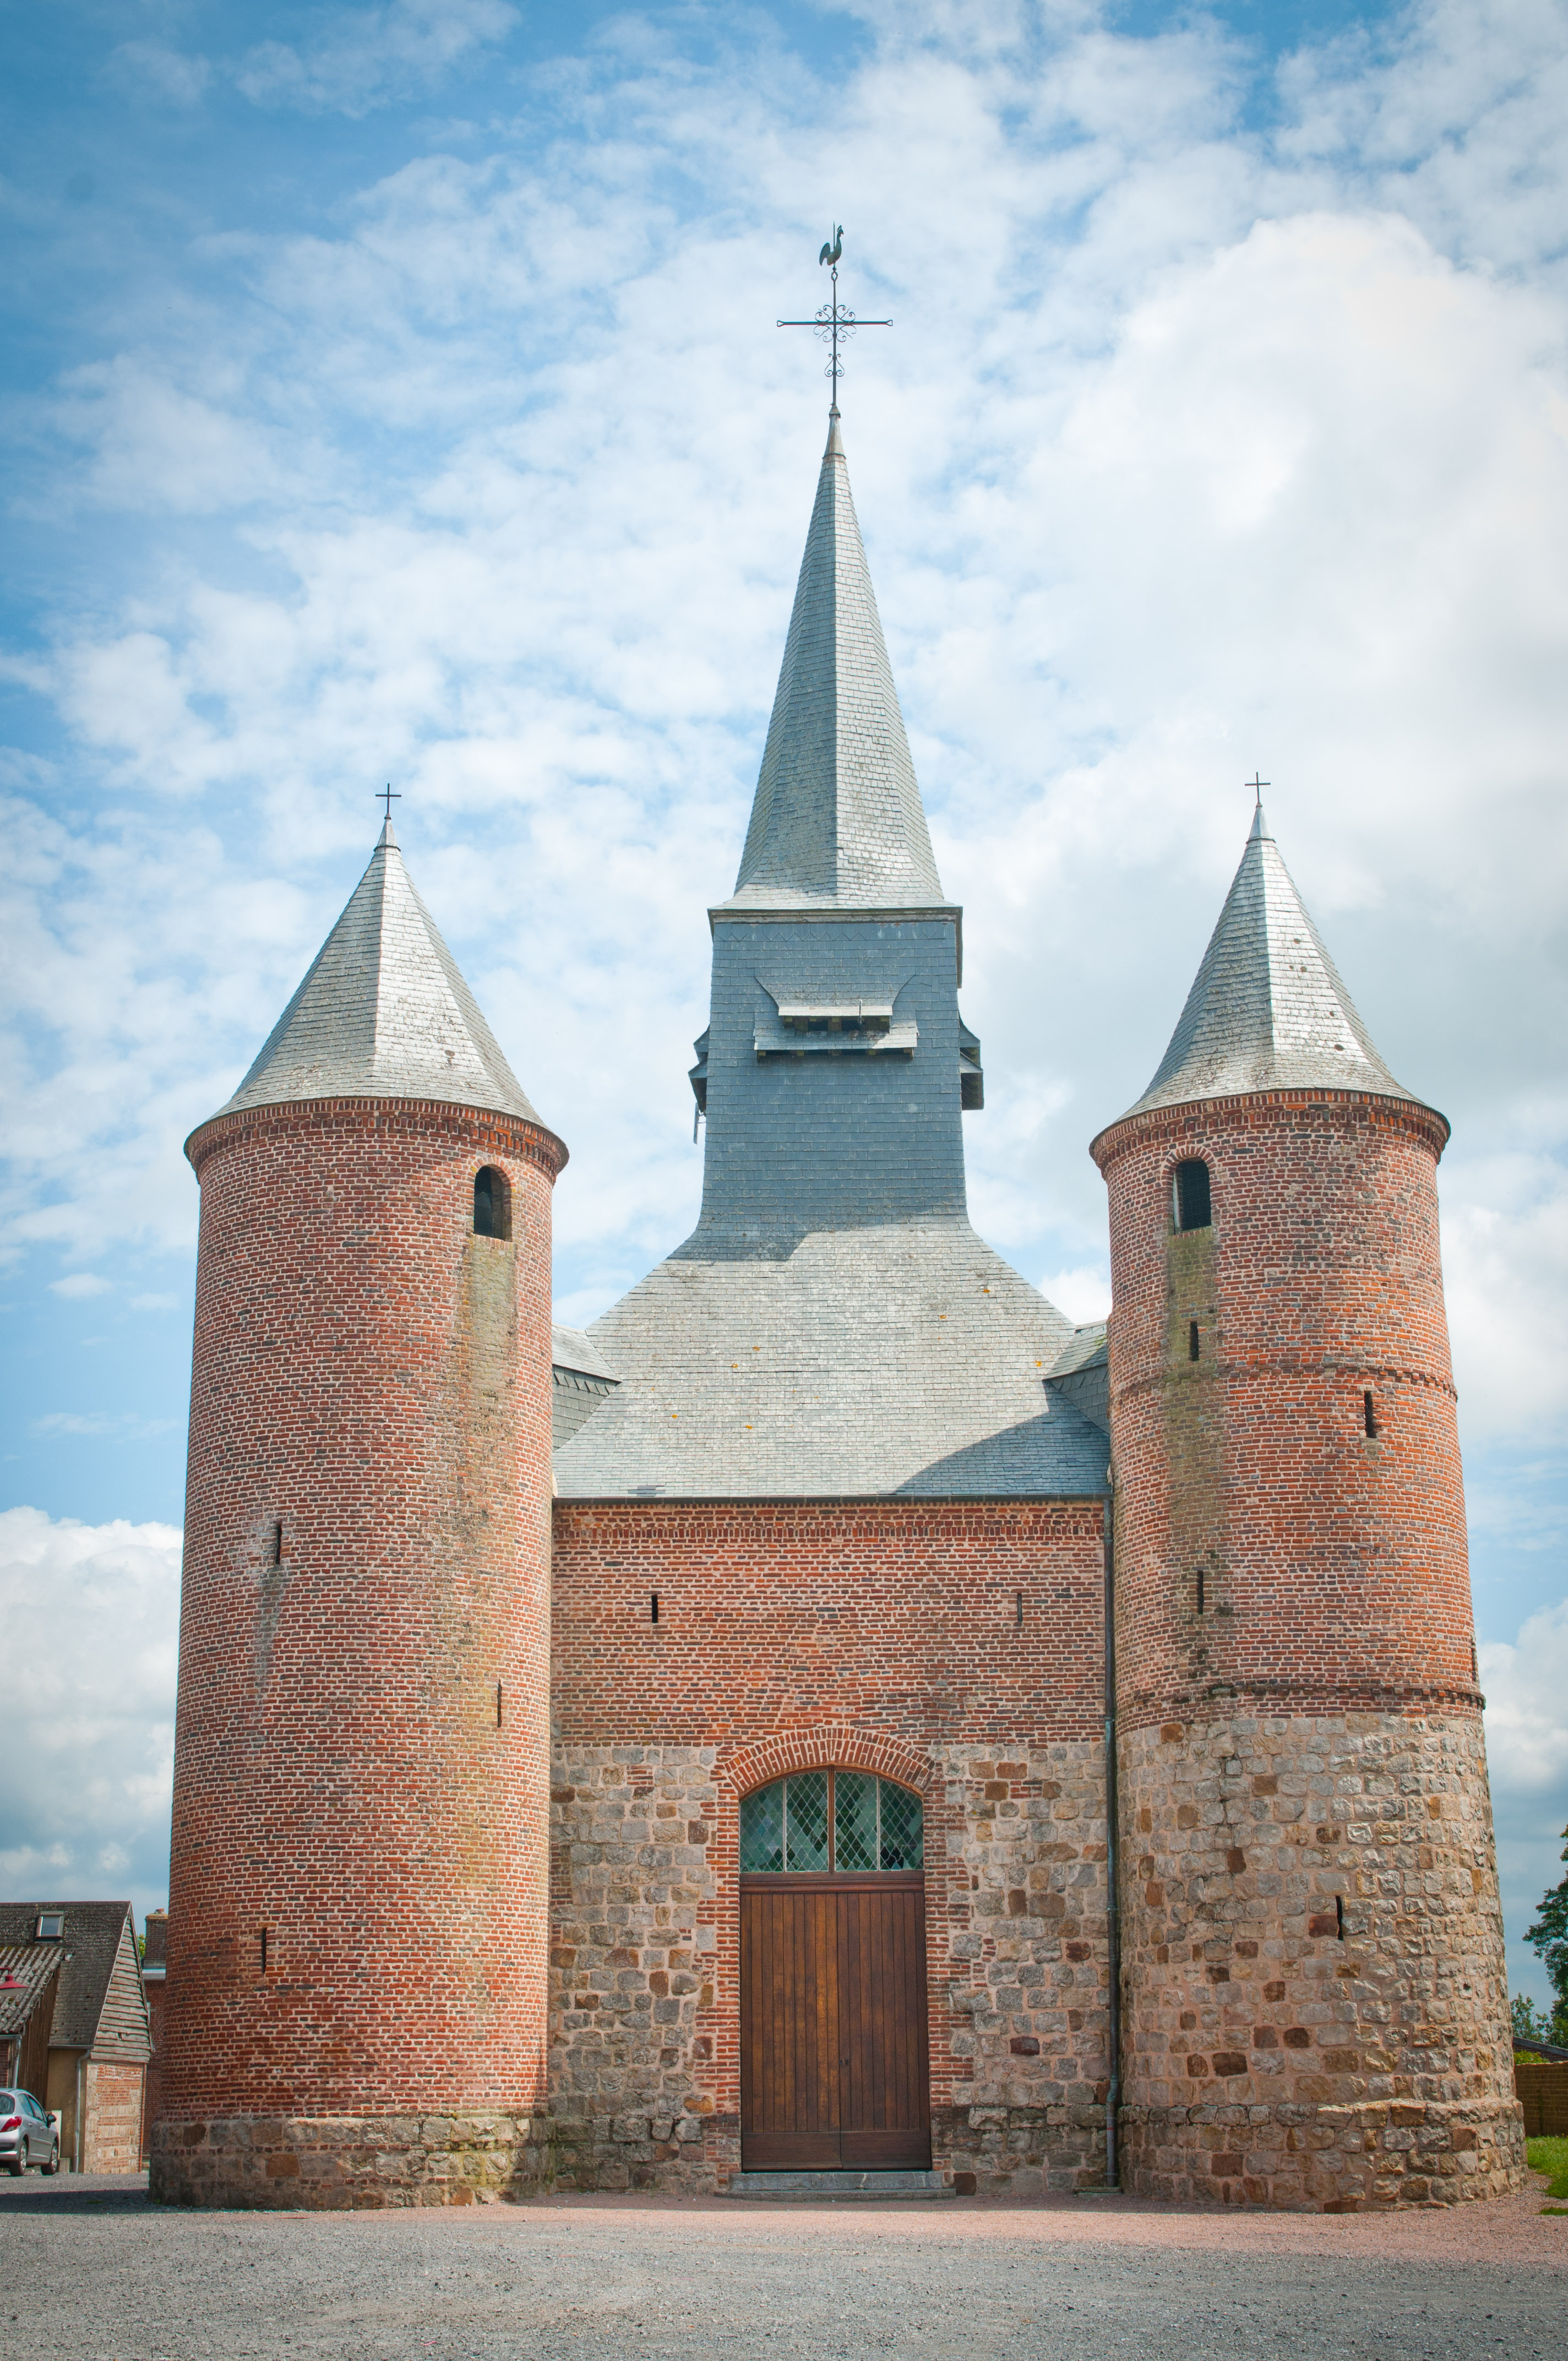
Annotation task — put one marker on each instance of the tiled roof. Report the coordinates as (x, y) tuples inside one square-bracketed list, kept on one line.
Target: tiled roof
[(1268, 1010), (838, 821), (91, 1944), (25, 1970), (383, 1012), (903, 1357)]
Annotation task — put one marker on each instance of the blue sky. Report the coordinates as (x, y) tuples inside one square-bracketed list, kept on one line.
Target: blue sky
[(394, 392)]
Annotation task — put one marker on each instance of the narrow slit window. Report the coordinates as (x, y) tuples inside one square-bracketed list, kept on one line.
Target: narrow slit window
[(1368, 1412), (652, 1607), (1199, 1590), (493, 1203), (264, 1934), (1339, 1916), (1191, 1200), (277, 1542), (1192, 1340)]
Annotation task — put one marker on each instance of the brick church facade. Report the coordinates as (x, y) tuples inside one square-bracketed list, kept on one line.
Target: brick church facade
[(834, 1716)]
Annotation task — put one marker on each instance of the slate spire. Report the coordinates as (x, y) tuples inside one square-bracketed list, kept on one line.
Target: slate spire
[(383, 1012), (838, 821), (1268, 1010)]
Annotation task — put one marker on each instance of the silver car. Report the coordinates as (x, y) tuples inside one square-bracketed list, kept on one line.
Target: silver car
[(26, 2134)]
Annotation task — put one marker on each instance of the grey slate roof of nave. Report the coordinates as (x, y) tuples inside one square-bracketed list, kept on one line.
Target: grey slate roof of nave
[(383, 1012), (1268, 1010), (904, 1359)]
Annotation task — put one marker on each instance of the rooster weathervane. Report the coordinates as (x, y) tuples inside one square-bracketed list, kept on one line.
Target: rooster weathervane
[(834, 322)]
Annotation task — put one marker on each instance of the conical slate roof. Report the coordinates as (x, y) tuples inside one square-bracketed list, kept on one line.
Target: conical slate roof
[(1268, 1010), (383, 1012), (838, 821)]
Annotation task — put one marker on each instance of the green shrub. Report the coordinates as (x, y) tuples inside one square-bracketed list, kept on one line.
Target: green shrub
[(1549, 2156)]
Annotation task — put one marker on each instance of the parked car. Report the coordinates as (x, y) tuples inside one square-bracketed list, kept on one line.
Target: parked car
[(26, 2134)]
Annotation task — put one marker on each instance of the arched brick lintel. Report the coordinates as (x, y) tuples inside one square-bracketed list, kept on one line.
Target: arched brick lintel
[(817, 1746)]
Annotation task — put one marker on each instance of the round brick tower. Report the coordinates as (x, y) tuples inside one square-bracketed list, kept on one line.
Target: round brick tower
[(359, 1875), (1316, 2007)]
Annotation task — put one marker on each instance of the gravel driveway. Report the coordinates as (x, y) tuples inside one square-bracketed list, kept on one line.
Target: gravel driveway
[(90, 2268)]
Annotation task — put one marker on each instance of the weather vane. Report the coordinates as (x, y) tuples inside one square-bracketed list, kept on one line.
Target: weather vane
[(834, 319), (388, 795)]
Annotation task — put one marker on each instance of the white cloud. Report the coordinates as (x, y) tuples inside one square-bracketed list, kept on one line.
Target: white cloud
[(360, 58), (92, 1611), (1527, 1705), (1084, 1293), (81, 1283), (150, 69)]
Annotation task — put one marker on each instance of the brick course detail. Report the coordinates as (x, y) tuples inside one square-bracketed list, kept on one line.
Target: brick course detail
[(359, 1884)]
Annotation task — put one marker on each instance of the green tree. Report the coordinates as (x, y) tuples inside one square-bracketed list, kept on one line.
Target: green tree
[(1549, 1937)]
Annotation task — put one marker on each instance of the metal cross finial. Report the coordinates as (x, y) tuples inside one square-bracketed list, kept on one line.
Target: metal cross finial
[(1258, 786), (390, 795), (834, 319)]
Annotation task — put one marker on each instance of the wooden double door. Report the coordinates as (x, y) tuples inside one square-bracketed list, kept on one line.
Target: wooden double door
[(834, 2069)]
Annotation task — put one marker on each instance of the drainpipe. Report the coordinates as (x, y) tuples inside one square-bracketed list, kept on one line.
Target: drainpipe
[(81, 2122), (1112, 1916)]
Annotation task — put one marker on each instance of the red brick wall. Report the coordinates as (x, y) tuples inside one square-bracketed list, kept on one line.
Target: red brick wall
[(112, 2099), (878, 1635), (376, 1378), (1335, 1564)]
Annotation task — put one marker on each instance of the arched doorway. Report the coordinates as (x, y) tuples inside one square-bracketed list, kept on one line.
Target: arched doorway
[(834, 2069)]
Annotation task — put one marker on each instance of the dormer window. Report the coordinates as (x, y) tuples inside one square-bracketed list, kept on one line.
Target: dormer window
[(1190, 1206), (50, 1928), (829, 1024), (493, 1203)]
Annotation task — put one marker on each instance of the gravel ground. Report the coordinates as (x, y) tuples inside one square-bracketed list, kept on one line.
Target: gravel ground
[(88, 2266)]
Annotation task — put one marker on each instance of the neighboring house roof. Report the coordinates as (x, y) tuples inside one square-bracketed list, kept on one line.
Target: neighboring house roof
[(25, 1972), (838, 821), (905, 1359), (1268, 1010), (101, 2005), (383, 1012)]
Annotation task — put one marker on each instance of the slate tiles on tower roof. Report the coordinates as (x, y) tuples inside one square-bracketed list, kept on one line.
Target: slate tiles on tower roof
[(383, 1012), (1268, 1010)]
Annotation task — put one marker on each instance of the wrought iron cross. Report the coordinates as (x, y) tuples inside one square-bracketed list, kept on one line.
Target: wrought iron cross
[(835, 321), (390, 796), (1258, 786)]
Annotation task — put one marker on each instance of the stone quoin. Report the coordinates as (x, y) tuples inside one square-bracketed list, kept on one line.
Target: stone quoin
[(640, 1758)]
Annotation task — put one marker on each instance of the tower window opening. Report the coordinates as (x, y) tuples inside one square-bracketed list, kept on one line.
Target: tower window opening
[(277, 1542), (1190, 1201), (1339, 1916), (493, 1203), (1368, 1412), (1192, 1340), (264, 1931), (1199, 1590), (652, 1607)]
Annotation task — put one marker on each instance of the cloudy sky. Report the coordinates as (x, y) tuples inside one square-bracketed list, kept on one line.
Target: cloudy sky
[(394, 392)]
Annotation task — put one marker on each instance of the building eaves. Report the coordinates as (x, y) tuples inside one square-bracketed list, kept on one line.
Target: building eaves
[(87, 1952)]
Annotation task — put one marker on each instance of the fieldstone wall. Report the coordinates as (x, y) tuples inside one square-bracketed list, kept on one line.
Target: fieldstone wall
[(1317, 2009), (631, 1964), (1025, 1969)]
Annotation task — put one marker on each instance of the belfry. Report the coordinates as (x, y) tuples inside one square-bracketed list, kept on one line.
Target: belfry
[(924, 1737)]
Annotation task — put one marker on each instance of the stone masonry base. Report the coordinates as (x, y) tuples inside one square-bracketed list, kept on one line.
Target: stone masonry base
[(1323, 2159), (350, 2162)]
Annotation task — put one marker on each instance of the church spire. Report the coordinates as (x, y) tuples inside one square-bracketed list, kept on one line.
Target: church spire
[(838, 820), (1268, 1010)]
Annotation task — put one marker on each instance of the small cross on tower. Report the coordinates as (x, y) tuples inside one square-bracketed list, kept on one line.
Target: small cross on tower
[(390, 795), (1258, 786)]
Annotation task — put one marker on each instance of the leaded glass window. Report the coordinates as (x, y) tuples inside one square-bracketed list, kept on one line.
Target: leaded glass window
[(817, 1821)]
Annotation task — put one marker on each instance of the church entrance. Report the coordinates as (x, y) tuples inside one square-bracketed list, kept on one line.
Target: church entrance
[(834, 2070)]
